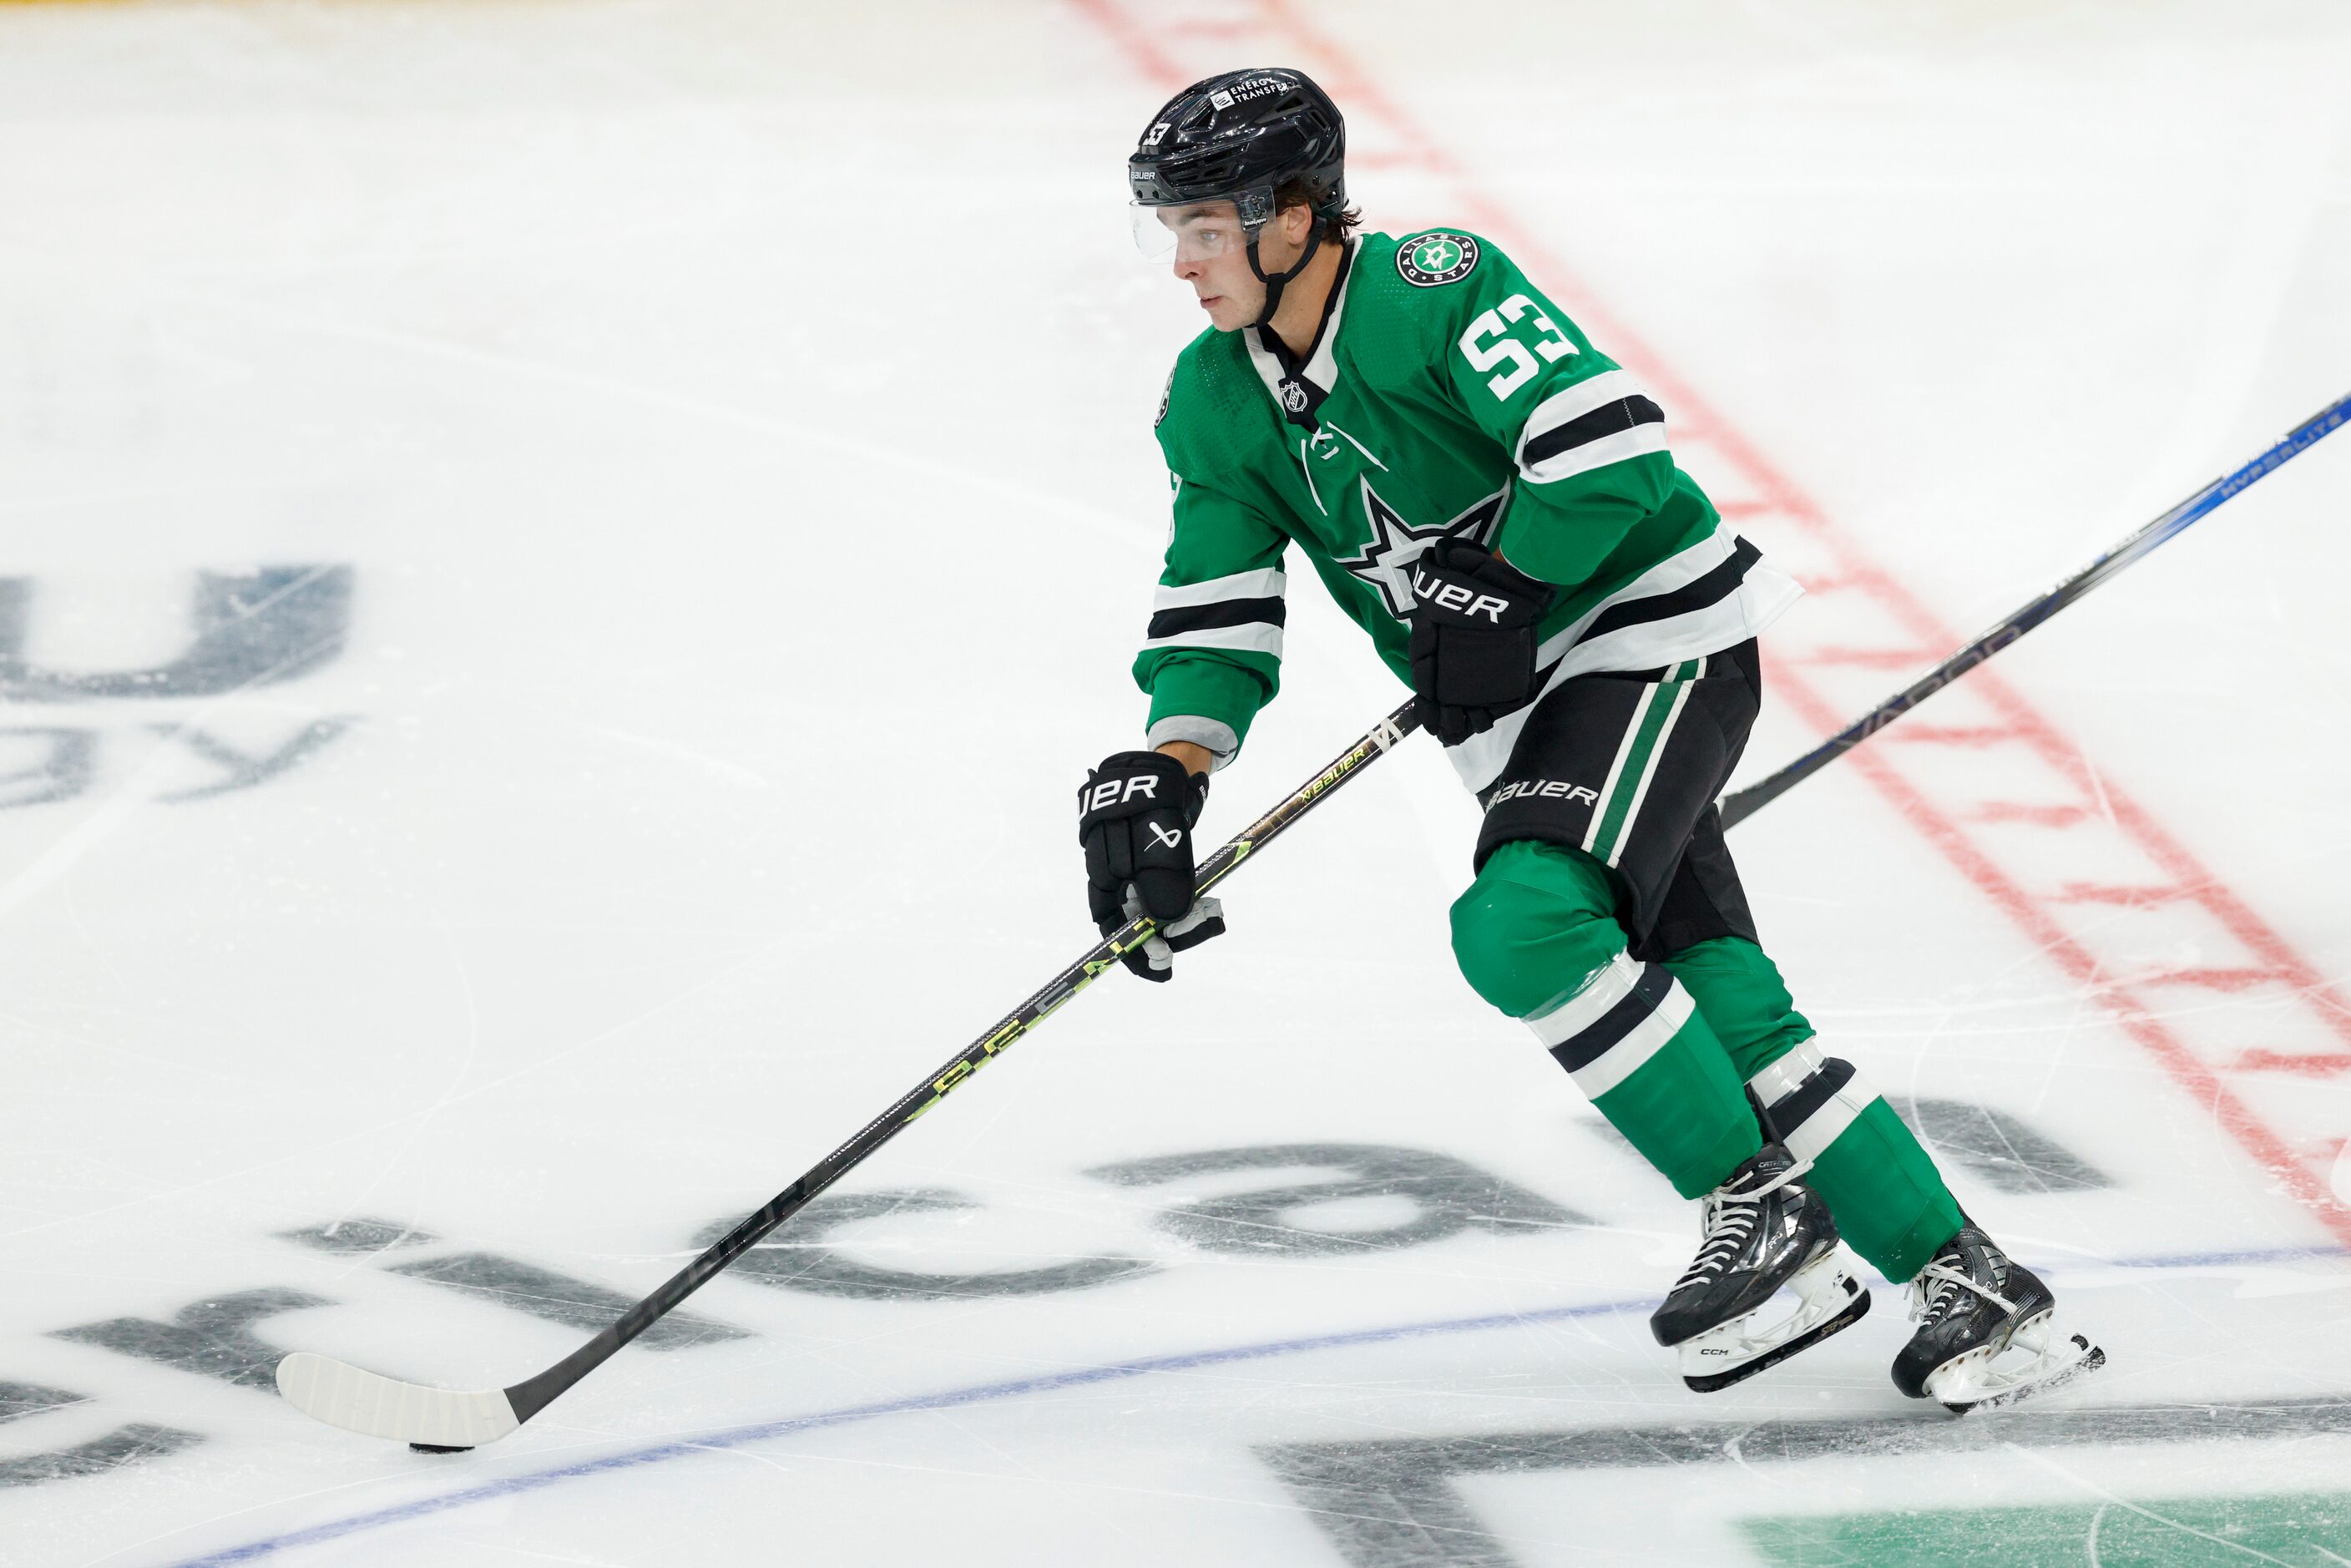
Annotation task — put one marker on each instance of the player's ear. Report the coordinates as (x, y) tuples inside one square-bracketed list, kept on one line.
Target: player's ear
[(1295, 221)]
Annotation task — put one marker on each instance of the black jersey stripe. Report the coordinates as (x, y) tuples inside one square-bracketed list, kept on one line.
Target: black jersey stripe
[(1589, 1044), (1608, 419), (1711, 588), (1794, 1109), (1223, 612)]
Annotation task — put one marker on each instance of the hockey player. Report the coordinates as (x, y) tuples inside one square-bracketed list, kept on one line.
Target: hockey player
[(1490, 498)]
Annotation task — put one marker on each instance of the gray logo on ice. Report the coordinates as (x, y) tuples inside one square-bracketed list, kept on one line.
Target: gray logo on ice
[(1295, 1200), (245, 630)]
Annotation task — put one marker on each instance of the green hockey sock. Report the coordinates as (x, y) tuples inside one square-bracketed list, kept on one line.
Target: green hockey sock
[(1634, 1043), (1888, 1199), (1739, 989), (1537, 937)]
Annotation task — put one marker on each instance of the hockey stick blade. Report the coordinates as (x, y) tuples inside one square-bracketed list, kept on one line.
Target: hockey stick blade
[(437, 1420), (443, 1420)]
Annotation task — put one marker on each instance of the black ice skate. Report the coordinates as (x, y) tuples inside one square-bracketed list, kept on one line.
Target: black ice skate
[(1984, 1334), (1761, 1231)]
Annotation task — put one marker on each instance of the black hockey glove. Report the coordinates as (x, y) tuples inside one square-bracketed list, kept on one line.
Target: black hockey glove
[(1473, 638), (1134, 818)]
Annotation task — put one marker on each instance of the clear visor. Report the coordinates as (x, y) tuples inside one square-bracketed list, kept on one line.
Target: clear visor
[(1194, 231)]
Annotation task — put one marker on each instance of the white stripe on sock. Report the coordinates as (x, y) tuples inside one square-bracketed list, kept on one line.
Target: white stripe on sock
[(1824, 1126), (1780, 1080), (1585, 1008), (1626, 1057)]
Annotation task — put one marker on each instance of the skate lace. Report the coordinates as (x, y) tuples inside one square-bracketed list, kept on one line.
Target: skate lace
[(1726, 1219), (1935, 1291)]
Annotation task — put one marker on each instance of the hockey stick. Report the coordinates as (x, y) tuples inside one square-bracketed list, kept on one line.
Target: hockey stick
[(448, 1420), (443, 1420), (1743, 803)]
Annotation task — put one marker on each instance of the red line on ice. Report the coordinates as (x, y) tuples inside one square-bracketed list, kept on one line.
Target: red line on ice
[(1349, 82), (2216, 980), (2313, 1065), (1951, 734), (1863, 658), (2040, 816), (2123, 897), (2255, 1137)]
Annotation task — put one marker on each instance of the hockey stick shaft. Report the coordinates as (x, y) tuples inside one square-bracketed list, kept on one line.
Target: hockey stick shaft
[(1743, 803), (533, 1395)]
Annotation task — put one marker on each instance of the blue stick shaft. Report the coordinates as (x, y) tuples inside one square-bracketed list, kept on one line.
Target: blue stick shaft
[(1743, 803)]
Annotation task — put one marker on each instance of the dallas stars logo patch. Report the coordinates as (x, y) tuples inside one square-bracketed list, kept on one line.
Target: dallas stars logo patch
[(1387, 557), (1436, 259)]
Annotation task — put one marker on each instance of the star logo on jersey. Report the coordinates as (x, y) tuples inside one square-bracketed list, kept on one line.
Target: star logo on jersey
[(1436, 259), (1387, 559)]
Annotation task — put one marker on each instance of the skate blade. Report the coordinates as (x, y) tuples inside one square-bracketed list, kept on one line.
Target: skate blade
[(2033, 1360), (1829, 1300)]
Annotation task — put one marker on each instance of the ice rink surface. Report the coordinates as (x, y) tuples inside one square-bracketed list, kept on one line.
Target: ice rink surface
[(561, 561)]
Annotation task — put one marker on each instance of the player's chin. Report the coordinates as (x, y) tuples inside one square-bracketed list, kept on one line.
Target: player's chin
[(1227, 314)]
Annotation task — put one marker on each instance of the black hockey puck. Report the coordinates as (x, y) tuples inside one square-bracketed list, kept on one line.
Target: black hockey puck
[(437, 1448)]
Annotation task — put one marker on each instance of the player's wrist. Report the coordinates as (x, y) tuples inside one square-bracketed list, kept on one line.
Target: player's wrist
[(1195, 758)]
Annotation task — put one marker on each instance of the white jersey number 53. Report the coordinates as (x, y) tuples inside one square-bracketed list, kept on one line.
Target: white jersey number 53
[(1506, 351)]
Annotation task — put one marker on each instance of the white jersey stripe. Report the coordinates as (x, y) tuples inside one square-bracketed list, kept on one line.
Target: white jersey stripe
[(1256, 637), (1633, 443), (1572, 402), (1270, 583)]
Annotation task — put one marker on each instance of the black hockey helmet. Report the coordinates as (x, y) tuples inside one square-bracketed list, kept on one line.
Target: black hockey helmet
[(1240, 137)]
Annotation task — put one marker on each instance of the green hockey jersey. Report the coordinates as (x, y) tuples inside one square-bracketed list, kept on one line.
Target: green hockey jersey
[(1443, 396)]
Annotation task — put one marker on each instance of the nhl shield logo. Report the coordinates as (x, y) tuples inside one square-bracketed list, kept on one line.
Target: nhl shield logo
[(1293, 397), (1435, 259)]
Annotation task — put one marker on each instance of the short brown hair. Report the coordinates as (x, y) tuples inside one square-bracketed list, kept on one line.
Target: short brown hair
[(1336, 227)]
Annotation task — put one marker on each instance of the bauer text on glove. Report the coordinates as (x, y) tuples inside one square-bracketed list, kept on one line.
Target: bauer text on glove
[(1135, 814), (1474, 621)]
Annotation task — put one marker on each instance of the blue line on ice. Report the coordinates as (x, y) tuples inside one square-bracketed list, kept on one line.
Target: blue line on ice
[(978, 1394), (1046, 1382)]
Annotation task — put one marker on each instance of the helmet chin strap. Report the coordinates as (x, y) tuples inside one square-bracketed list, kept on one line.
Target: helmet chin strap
[(1275, 282)]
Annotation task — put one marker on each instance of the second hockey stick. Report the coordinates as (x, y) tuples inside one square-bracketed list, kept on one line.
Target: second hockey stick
[(1743, 803), (449, 1420)]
